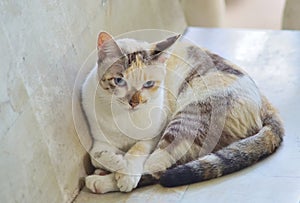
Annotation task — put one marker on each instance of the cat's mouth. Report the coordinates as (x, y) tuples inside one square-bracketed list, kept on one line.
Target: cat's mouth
[(130, 107), (133, 109)]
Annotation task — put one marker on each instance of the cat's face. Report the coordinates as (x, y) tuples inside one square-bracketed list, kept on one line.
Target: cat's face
[(131, 72)]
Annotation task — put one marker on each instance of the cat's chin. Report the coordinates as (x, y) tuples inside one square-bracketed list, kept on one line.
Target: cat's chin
[(131, 110), (125, 108)]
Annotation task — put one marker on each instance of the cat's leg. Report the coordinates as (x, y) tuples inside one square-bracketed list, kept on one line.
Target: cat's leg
[(183, 139), (158, 162), (101, 183), (128, 178), (174, 144), (104, 156)]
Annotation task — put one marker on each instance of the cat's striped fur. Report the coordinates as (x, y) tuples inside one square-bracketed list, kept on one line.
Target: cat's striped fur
[(218, 123), (226, 129)]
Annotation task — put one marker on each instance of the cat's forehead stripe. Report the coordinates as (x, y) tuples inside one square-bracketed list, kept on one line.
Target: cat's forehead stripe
[(134, 57), (138, 63)]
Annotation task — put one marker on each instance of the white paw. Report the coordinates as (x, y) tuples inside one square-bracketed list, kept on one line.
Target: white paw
[(158, 161), (101, 184), (127, 183), (109, 160)]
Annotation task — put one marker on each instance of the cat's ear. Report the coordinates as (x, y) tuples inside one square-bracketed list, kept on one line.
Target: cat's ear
[(158, 48), (107, 46)]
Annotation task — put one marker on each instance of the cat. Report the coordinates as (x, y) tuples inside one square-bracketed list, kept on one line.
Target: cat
[(171, 117)]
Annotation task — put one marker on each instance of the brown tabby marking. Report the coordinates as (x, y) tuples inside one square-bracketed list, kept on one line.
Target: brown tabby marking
[(235, 156), (107, 84), (136, 64), (133, 57), (191, 122), (200, 66), (221, 65), (204, 65), (194, 73)]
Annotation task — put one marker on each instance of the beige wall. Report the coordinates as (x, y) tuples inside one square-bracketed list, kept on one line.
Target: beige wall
[(43, 44), (204, 13)]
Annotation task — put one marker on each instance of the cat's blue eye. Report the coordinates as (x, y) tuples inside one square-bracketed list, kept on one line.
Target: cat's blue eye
[(120, 82), (149, 84)]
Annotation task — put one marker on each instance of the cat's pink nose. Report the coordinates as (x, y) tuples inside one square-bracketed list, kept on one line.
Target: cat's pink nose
[(133, 103)]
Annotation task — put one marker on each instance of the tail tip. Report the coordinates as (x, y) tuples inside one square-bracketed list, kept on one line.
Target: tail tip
[(180, 175)]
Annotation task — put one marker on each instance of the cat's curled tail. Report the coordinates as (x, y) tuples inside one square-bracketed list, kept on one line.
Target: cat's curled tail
[(234, 157)]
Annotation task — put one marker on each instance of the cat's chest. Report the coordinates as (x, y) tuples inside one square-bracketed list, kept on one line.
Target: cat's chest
[(124, 128)]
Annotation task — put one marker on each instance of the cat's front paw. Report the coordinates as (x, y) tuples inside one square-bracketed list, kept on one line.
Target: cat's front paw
[(101, 184), (127, 183), (158, 162), (109, 160)]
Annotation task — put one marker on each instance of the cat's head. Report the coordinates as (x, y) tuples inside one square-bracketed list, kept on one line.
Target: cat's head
[(132, 71)]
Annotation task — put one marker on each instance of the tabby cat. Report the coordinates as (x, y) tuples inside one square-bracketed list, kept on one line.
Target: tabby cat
[(171, 117)]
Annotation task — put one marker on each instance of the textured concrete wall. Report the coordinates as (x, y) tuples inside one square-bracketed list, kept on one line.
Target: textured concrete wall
[(43, 44)]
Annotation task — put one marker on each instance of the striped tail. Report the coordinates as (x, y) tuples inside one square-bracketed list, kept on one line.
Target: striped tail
[(234, 157)]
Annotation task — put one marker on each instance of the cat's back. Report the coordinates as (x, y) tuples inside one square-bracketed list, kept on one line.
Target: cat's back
[(196, 75)]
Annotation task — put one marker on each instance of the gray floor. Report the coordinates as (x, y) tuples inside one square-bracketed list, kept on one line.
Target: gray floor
[(272, 58)]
